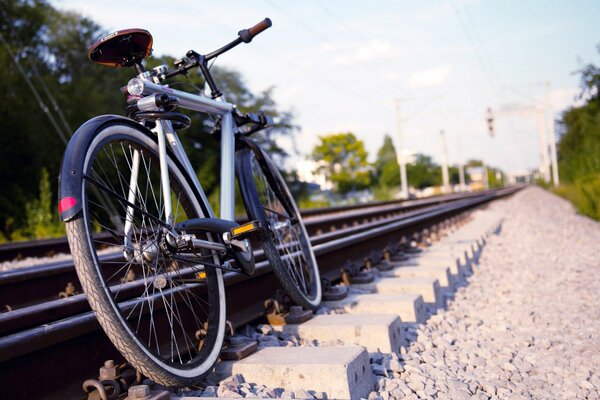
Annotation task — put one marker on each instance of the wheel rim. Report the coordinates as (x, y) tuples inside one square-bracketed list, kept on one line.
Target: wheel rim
[(285, 229), (168, 303)]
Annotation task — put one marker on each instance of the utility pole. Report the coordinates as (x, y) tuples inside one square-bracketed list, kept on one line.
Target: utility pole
[(553, 156), (484, 171), (461, 165), (445, 177), (544, 164), (400, 153)]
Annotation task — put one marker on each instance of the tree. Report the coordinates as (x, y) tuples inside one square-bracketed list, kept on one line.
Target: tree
[(387, 171), (344, 160), (423, 172), (579, 146), (51, 47)]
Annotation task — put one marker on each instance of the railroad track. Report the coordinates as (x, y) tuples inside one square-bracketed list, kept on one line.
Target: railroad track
[(64, 339), (24, 287), (328, 217)]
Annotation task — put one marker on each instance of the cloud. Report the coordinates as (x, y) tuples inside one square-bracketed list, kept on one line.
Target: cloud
[(371, 52), (433, 76), (564, 98)]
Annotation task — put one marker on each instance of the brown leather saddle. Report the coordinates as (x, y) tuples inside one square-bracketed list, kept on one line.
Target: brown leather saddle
[(122, 48)]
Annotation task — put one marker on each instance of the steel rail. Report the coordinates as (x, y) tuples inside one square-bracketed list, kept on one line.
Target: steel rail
[(27, 286), (51, 310), (49, 247)]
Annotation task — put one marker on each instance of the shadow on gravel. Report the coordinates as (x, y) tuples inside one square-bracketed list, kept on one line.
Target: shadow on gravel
[(460, 281)]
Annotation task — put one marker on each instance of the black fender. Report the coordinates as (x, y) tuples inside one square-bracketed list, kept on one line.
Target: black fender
[(71, 169)]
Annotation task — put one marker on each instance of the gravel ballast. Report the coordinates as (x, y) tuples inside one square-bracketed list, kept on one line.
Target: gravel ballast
[(527, 325)]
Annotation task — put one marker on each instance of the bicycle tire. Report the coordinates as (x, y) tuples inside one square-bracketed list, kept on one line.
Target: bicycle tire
[(286, 243), (173, 299)]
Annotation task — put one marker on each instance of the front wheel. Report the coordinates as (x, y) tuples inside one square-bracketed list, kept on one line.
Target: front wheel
[(286, 243), (164, 311)]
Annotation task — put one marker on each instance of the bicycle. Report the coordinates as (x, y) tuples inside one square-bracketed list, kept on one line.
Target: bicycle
[(148, 250)]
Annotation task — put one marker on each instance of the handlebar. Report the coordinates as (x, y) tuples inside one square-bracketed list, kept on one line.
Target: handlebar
[(248, 34), (194, 59)]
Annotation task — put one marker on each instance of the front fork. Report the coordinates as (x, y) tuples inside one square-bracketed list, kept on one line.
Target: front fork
[(133, 188)]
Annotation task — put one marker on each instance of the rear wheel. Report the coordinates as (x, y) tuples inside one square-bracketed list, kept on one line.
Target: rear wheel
[(164, 311), (286, 243)]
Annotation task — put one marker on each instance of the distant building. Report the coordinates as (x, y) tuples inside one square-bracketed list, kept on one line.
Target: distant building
[(306, 170), (477, 177), (523, 176)]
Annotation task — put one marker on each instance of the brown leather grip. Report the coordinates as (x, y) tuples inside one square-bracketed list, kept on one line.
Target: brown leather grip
[(261, 26)]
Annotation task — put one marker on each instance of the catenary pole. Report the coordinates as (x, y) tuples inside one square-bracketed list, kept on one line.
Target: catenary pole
[(400, 153), (553, 156)]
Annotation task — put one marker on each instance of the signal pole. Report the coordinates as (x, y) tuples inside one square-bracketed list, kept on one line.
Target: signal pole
[(400, 153)]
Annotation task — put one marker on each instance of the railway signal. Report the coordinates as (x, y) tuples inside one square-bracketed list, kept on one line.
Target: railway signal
[(490, 122)]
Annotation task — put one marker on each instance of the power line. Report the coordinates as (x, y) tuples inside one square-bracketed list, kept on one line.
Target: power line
[(33, 90), (348, 29), (471, 39), (275, 58), (298, 21), (479, 40), (55, 105)]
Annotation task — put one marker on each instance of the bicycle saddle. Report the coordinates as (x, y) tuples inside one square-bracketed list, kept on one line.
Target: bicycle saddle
[(122, 48)]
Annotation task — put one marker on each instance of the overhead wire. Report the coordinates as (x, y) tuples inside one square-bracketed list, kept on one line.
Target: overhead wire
[(275, 58), (297, 20), (36, 94), (364, 40), (484, 58), (55, 105)]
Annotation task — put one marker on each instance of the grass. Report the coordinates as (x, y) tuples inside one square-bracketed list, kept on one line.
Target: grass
[(584, 194)]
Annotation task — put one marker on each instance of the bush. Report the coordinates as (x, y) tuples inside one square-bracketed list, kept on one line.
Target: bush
[(41, 217), (584, 194)]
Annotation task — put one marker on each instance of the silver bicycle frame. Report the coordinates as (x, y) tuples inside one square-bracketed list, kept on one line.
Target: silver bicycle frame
[(167, 135)]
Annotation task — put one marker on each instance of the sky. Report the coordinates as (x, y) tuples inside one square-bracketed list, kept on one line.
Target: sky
[(344, 66)]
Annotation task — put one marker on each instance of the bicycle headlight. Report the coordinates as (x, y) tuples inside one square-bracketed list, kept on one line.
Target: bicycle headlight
[(135, 87)]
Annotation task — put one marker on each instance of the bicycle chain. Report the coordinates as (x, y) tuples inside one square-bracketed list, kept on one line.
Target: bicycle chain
[(204, 263)]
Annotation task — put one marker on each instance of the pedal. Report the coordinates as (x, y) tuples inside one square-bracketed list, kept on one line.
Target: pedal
[(246, 230)]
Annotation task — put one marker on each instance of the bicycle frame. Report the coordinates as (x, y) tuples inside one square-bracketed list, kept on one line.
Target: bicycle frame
[(166, 134)]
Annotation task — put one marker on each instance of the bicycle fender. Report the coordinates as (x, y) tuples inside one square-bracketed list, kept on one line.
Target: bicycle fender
[(71, 169)]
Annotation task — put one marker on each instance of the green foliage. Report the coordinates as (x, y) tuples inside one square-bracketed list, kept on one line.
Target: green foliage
[(51, 46), (383, 193), (345, 161), (493, 180), (305, 203), (423, 172), (454, 174), (387, 170), (42, 221), (584, 194), (579, 147)]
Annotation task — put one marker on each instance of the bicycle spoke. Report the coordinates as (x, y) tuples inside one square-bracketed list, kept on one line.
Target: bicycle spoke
[(162, 305), (283, 228)]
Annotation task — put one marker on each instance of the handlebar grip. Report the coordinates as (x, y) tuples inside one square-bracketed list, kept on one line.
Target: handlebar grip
[(261, 26), (248, 34)]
